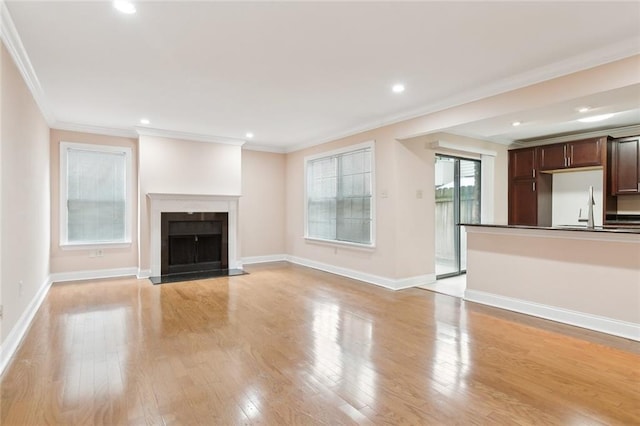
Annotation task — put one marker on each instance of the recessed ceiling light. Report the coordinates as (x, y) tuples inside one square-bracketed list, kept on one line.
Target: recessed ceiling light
[(595, 118), (516, 123), (398, 88), (249, 135), (144, 121), (583, 109), (124, 6)]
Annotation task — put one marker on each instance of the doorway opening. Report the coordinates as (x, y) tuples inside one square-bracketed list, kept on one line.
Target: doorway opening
[(457, 189)]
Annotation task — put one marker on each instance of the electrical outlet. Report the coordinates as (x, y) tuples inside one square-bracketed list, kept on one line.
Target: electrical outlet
[(419, 194), (1, 311), (20, 288)]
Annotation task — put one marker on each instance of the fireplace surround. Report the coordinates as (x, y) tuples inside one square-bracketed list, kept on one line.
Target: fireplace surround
[(191, 203)]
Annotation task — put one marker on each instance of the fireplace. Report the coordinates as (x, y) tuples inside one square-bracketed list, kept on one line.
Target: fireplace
[(194, 242), (160, 203)]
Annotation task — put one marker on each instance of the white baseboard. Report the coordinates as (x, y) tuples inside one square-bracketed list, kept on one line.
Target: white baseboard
[(92, 275), (19, 330), (264, 259), (389, 283), (143, 273), (415, 281), (615, 327)]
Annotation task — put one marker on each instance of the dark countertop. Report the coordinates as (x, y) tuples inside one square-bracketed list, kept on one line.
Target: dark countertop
[(576, 228)]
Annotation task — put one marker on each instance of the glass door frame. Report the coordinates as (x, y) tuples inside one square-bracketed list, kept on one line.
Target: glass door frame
[(456, 211)]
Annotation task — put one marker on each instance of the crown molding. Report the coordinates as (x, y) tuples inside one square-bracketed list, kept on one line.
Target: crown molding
[(145, 131), (611, 53), (162, 133), (12, 41), (617, 132), (87, 128), (264, 148)]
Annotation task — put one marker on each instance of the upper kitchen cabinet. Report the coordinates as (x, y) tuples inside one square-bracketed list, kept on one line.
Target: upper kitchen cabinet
[(570, 155), (553, 157), (522, 163), (625, 167)]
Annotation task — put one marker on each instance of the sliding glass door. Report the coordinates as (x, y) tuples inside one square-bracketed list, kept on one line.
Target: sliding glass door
[(457, 201)]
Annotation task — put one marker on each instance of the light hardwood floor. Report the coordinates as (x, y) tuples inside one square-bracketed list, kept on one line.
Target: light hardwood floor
[(291, 345)]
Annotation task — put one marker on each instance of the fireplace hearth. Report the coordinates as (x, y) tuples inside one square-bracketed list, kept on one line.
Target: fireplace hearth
[(194, 242)]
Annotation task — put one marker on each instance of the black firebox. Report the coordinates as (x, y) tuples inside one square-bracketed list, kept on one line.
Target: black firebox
[(194, 242)]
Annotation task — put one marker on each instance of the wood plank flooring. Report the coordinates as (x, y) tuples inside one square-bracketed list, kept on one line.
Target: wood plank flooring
[(291, 345)]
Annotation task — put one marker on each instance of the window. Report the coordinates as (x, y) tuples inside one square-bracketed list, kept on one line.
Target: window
[(95, 189), (339, 196)]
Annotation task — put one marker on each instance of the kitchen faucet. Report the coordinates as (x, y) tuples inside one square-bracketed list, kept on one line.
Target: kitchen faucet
[(591, 203)]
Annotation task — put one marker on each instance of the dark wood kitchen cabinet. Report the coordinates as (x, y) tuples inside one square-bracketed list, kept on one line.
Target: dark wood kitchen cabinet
[(553, 157), (523, 202), (625, 170), (574, 154), (529, 192), (522, 163), (587, 152)]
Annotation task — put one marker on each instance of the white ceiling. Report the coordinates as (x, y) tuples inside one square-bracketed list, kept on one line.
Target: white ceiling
[(298, 73)]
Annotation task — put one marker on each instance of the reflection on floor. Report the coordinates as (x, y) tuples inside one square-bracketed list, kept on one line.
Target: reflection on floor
[(453, 286)]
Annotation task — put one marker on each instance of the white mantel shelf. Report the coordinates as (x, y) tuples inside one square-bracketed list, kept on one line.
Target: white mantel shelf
[(214, 197), (192, 203)]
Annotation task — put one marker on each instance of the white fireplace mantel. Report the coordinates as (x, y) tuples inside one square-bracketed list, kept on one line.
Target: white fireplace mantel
[(176, 203)]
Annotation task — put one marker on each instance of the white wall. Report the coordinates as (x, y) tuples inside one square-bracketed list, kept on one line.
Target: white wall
[(570, 195)]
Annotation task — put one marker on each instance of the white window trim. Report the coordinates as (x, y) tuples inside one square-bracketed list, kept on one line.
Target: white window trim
[(64, 238), (350, 148), (349, 244)]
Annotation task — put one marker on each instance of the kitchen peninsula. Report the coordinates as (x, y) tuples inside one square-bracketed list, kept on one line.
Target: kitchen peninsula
[(585, 277)]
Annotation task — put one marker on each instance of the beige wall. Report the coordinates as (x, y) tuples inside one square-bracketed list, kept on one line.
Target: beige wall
[(472, 146), (262, 204), (405, 234), (404, 228), (74, 260), (2, 59), (24, 198), (380, 261), (558, 269), (173, 166)]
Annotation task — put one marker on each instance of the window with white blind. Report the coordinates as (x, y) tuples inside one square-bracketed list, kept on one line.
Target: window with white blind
[(95, 189), (339, 201)]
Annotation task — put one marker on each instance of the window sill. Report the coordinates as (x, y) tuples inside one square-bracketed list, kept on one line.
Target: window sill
[(94, 246), (345, 244)]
